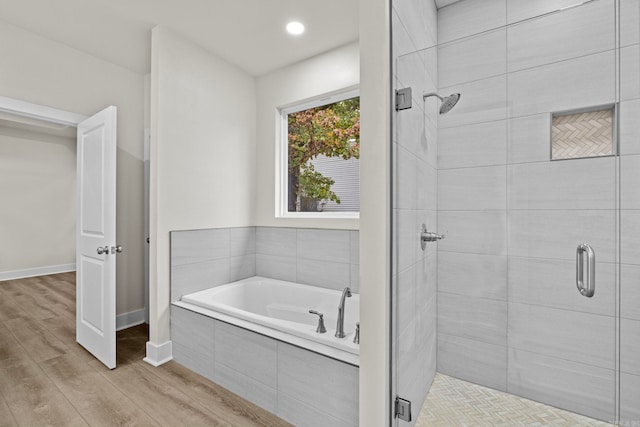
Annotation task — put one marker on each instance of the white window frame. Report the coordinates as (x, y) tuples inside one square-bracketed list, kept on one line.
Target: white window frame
[(282, 153)]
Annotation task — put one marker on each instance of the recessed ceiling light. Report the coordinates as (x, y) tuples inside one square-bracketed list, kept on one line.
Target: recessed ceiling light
[(295, 28)]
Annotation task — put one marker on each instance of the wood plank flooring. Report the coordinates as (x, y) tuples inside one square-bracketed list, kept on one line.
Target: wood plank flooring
[(47, 379)]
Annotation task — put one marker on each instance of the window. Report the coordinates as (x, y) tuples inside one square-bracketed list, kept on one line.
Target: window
[(320, 158)]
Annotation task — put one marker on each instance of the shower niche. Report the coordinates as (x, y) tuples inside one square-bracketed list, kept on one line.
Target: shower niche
[(584, 133)]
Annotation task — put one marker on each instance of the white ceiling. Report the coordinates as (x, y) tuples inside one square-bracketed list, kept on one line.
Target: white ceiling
[(247, 33)]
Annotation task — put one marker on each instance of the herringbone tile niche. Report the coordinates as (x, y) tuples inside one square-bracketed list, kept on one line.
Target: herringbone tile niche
[(579, 135)]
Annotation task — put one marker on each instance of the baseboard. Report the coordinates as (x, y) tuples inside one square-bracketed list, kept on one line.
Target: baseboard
[(130, 319), (158, 354), (39, 271)]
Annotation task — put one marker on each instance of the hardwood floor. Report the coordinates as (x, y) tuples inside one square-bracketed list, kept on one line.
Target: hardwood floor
[(47, 379)]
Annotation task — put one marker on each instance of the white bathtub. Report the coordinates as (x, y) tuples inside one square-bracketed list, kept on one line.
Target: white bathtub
[(282, 306)]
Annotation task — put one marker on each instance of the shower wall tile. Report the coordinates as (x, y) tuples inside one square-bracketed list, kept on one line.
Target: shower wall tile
[(629, 129), (427, 186), (402, 43), (576, 184), (519, 10), (473, 275), (193, 246), (473, 361), (482, 144), (480, 188), (629, 180), (562, 334), (630, 72), (481, 101), (629, 398), (552, 283), (418, 18), (478, 319), (629, 18), (566, 85), (479, 232), (324, 245), (276, 267), (276, 241), (418, 70), (473, 58), (556, 233), (407, 239), (530, 139), (466, 18), (412, 131), (573, 33), (630, 237), (630, 346), (565, 384), (405, 182), (406, 297), (630, 291)]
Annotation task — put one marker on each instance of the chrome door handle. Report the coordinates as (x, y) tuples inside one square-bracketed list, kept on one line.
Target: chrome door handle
[(116, 249), (103, 250), (586, 287), (428, 236)]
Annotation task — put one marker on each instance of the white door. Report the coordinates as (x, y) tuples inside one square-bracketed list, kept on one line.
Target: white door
[(96, 236)]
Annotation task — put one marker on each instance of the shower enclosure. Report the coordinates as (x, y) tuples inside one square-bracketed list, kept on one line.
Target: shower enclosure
[(516, 211)]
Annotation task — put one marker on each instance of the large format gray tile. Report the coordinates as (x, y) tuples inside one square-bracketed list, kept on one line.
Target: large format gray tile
[(563, 334), (242, 267), (419, 71), (575, 184), (188, 278), (473, 361), (405, 179), (630, 236), (559, 36), (472, 58), (324, 245), (244, 386), (630, 291), (354, 251), (242, 241), (577, 83), (557, 234), (308, 376), (630, 72), (402, 42), (564, 384), (471, 189), (192, 246), (466, 18), (530, 139), (418, 18), (629, 398), (629, 129), (629, 18), (519, 10), (300, 414), (192, 336), (630, 346), (480, 232), (252, 354), (473, 318), (629, 179), (276, 241), (276, 267), (325, 274), (406, 239), (405, 299), (552, 283), (482, 144), (480, 101), (473, 275)]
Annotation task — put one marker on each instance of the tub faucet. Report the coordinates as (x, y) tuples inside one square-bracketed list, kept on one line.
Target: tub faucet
[(340, 326)]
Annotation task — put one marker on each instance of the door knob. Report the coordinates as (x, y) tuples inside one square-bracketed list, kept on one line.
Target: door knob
[(117, 249), (103, 250)]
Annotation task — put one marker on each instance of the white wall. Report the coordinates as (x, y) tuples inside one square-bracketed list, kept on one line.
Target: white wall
[(38, 187), (202, 153), (41, 71), (328, 72)]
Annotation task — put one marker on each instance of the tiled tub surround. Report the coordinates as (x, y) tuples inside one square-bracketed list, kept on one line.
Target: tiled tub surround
[(509, 315)]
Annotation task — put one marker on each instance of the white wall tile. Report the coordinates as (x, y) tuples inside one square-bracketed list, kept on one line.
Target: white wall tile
[(473, 361), (629, 180), (556, 234), (562, 334), (479, 188), (324, 245), (629, 398), (572, 184), (630, 291), (482, 144), (276, 241), (630, 346), (564, 384), (480, 101), (473, 318), (629, 18), (519, 10), (629, 129), (473, 58), (630, 236), (480, 232), (473, 275), (630, 72), (552, 283), (559, 36), (530, 139), (566, 85), (469, 17)]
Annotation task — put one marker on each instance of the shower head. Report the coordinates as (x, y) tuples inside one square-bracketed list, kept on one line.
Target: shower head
[(448, 102)]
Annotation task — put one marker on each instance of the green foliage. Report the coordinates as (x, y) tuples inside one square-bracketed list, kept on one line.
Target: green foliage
[(331, 130)]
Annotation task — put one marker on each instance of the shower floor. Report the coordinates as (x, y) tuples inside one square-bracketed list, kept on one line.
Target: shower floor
[(453, 402)]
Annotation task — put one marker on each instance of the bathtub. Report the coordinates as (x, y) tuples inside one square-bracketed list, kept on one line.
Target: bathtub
[(278, 308)]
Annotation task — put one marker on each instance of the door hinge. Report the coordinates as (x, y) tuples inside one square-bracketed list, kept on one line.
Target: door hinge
[(403, 99), (403, 409)]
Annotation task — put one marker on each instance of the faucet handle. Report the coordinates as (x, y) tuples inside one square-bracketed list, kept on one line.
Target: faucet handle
[(321, 328), (356, 338)]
